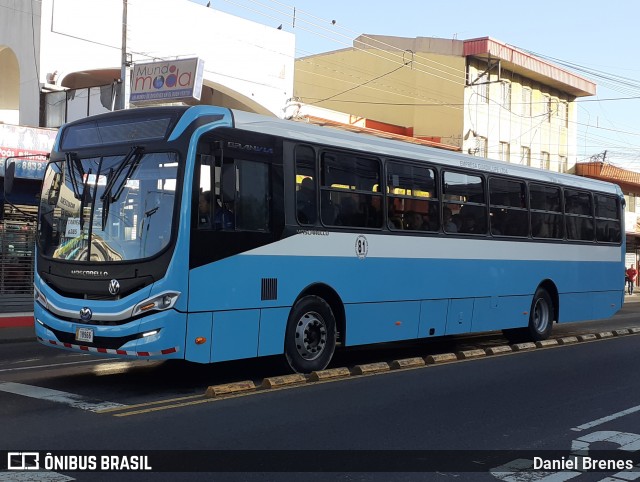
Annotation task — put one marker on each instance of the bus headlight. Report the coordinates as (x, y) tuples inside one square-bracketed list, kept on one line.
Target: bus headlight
[(39, 297), (160, 302)]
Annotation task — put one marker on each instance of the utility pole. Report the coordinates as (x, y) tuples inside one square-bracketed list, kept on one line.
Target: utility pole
[(123, 101), (602, 157)]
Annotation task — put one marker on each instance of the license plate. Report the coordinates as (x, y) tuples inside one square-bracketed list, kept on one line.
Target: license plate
[(84, 334)]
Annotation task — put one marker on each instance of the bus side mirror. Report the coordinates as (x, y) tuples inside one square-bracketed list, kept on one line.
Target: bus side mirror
[(9, 176)]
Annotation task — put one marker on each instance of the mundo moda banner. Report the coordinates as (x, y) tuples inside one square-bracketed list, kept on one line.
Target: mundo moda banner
[(166, 81)]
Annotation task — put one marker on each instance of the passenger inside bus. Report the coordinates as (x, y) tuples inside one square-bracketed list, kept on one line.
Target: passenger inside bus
[(224, 218), (414, 221), (204, 210), (395, 219), (472, 220), (307, 202), (447, 220)]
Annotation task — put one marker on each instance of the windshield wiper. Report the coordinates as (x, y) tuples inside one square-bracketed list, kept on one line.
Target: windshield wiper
[(132, 159), (82, 201), (72, 160), (147, 215), (106, 203), (135, 151)]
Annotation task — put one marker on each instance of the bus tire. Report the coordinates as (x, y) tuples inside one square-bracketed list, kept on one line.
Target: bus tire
[(540, 316), (540, 320), (310, 339)]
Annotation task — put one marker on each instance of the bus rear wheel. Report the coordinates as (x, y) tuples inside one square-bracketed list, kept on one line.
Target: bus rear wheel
[(541, 316), (310, 339), (540, 320)]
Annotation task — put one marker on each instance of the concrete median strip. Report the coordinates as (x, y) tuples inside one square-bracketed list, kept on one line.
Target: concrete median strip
[(620, 332), (215, 391), (283, 381), (370, 368), (497, 350), (546, 343), (441, 358), (330, 374), (604, 334), (566, 340), (523, 346), (588, 337), (414, 362), (469, 354)]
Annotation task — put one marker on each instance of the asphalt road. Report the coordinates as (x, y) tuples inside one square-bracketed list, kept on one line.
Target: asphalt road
[(479, 419)]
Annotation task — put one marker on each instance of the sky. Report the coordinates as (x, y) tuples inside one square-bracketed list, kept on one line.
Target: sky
[(594, 39)]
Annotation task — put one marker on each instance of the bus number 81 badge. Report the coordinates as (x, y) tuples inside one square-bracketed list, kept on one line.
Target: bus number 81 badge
[(362, 247)]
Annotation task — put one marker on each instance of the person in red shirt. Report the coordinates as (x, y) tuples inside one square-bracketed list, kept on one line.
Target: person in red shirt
[(631, 279)]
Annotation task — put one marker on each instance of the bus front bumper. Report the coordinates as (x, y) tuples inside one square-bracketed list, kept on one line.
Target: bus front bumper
[(155, 336)]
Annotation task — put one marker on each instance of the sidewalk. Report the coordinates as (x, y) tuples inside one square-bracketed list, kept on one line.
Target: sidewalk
[(634, 297), (16, 327)]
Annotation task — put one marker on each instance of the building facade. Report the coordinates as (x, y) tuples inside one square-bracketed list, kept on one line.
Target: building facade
[(76, 51), (481, 95)]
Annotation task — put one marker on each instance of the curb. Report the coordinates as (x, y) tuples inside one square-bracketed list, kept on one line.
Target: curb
[(407, 363), (229, 389), (14, 321), (335, 374)]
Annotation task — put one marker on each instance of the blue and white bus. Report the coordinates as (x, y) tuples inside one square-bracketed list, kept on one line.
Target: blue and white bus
[(209, 234)]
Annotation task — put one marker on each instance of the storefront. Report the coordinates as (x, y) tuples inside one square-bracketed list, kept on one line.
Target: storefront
[(18, 212)]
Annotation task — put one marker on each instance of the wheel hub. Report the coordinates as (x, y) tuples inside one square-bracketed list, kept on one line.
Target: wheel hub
[(311, 336), (541, 315)]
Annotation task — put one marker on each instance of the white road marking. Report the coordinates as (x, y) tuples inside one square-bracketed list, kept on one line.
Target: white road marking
[(54, 365), (33, 477), (608, 418), (71, 399), (520, 470)]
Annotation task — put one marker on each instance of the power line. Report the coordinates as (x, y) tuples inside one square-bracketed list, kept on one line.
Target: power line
[(360, 85)]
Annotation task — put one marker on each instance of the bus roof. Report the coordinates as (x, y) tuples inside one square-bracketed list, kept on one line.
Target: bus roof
[(330, 136)]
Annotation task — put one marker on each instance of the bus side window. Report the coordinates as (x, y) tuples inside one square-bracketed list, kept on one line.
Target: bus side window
[(306, 194), (578, 215), (350, 183), (508, 212), (248, 188), (466, 192), (546, 212), (607, 219), (412, 198)]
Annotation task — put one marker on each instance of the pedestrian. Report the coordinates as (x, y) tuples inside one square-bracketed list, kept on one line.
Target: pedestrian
[(631, 278)]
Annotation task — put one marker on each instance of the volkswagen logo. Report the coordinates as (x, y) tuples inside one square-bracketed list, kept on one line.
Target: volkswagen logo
[(114, 287), (85, 314)]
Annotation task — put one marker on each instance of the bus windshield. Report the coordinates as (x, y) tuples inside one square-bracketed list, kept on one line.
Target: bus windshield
[(107, 209)]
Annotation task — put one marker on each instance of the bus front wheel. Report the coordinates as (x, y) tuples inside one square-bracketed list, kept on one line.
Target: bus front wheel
[(310, 339)]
